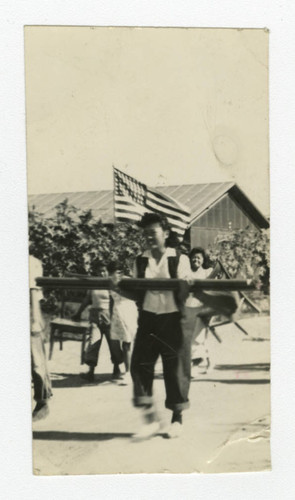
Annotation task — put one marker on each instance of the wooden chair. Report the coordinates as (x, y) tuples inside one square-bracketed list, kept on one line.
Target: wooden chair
[(61, 325), (210, 320), (214, 320)]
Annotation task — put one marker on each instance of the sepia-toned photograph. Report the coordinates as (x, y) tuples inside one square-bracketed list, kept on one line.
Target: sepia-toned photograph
[(149, 233)]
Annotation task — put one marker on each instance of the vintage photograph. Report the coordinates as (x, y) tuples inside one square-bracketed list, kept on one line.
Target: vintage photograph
[(149, 232)]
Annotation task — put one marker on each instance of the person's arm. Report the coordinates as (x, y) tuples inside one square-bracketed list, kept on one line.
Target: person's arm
[(37, 322), (134, 270), (208, 272), (215, 271), (86, 302), (184, 274), (36, 295), (184, 268)]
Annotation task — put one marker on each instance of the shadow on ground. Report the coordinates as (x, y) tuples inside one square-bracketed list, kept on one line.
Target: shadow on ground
[(256, 339), (237, 375), (233, 381), (245, 367), (79, 436), (62, 380)]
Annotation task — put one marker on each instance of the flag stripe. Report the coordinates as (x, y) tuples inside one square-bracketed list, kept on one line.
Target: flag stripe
[(125, 207), (176, 225), (173, 223), (167, 211), (126, 219), (132, 199), (164, 201), (124, 200), (130, 208), (128, 215)]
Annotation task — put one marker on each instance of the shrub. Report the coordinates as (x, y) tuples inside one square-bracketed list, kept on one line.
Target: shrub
[(73, 240), (243, 253)]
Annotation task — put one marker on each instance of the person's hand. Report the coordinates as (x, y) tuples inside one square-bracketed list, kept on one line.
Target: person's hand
[(103, 318)]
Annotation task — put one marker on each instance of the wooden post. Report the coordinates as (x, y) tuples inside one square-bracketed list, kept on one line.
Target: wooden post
[(92, 283)]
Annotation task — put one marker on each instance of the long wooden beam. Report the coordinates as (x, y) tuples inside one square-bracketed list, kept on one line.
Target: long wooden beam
[(131, 284)]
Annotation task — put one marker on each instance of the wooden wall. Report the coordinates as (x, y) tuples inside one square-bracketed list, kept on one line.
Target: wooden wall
[(222, 216)]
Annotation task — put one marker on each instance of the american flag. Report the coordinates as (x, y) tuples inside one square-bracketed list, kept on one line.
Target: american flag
[(133, 199)]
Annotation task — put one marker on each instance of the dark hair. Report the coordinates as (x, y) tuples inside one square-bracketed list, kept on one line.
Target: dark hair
[(200, 250), (98, 264), (115, 266), (173, 240), (154, 218), (184, 248)]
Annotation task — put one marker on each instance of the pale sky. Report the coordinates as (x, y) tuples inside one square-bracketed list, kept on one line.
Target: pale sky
[(168, 106)]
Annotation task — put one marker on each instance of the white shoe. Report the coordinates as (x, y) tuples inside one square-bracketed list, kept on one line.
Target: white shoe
[(147, 431), (174, 430)]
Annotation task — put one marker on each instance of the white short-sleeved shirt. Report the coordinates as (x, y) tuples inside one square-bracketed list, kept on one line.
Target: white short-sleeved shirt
[(200, 274), (162, 302)]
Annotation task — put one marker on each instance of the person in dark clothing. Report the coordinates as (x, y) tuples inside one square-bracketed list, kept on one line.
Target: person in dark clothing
[(160, 331)]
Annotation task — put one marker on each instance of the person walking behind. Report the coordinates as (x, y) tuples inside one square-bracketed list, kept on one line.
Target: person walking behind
[(40, 373), (99, 317), (193, 306), (124, 316), (160, 331)]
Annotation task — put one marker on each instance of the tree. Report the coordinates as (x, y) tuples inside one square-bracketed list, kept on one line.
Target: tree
[(72, 240), (244, 253)]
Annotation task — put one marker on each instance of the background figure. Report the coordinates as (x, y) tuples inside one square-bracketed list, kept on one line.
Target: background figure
[(213, 303), (100, 319), (193, 307), (124, 315), (40, 373), (199, 270)]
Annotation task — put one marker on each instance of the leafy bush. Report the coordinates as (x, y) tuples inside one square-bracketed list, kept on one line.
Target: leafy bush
[(72, 240), (243, 253)]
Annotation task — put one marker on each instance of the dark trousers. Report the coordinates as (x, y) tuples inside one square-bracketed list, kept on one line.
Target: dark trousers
[(161, 335), (94, 344), (40, 374)]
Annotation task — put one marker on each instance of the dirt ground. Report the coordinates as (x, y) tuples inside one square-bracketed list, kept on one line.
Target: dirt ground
[(227, 428)]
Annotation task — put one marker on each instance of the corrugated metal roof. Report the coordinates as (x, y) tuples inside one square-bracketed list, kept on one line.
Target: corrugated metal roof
[(197, 197)]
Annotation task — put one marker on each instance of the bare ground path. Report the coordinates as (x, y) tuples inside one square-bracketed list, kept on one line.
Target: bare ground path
[(226, 429)]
